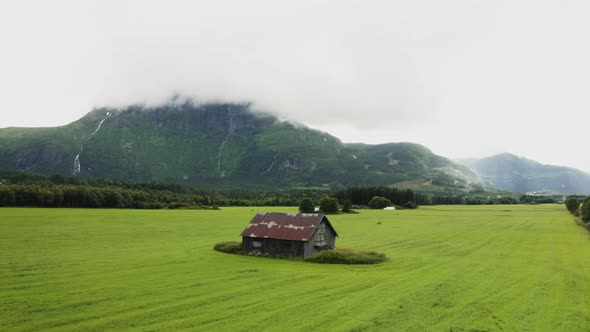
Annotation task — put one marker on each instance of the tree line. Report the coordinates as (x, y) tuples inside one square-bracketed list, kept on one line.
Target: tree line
[(579, 209), (27, 189), (113, 197)]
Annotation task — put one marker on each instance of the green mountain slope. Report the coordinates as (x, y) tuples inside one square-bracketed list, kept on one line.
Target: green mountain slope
[(509, 172), (220, 145)]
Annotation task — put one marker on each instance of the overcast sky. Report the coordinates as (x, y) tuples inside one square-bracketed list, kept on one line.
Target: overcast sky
[(465, 78)]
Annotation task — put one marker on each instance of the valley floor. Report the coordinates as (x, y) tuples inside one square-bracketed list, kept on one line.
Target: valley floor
[(459, 268)]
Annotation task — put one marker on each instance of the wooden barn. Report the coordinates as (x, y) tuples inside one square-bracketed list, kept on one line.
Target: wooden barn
[(288, 234)]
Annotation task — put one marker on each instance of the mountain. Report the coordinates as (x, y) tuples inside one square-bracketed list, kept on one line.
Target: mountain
[(509, 172), (220, 145)]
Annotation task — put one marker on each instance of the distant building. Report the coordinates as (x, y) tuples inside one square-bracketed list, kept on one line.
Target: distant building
[(288, 234), (542, 193), (389, 208)]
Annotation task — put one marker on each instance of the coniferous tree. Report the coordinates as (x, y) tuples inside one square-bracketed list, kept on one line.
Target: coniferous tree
[(346, 206)]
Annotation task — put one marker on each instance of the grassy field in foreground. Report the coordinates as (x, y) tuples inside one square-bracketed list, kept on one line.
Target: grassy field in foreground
[(459, 268)]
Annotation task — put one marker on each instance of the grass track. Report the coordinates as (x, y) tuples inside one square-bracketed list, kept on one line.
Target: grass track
[(460, 268)]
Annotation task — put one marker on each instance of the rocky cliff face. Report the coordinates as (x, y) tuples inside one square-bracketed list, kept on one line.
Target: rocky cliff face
[(218, 144)]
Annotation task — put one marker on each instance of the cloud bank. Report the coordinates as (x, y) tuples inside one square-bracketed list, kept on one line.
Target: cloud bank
[(465, 78)]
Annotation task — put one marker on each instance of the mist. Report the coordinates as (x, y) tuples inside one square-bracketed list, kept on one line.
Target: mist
[(465, 78)]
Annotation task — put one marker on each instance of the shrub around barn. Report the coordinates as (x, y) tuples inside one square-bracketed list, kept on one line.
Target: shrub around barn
[(336, 256), (347, 256), (230, 247)]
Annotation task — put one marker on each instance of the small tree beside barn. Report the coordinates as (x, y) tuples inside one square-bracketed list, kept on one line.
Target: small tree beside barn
[(288, 234)]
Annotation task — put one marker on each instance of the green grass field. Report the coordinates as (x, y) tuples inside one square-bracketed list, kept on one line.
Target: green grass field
[(459, 268)]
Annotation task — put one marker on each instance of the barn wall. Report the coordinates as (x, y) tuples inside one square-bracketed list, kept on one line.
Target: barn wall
[(272, 247), (330, 236), (310, 249)]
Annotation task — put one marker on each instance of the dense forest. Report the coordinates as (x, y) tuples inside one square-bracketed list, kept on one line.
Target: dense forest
[(27, 189), (363, 195)]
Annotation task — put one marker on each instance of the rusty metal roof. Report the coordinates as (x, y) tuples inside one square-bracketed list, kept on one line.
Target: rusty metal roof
[(284, 226)]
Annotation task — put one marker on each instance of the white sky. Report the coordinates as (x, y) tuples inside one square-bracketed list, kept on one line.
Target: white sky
[(465, 78)]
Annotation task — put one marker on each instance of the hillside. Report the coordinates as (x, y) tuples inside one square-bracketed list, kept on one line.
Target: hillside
[(219, 145), (509, 172)]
